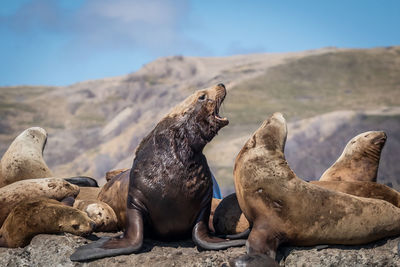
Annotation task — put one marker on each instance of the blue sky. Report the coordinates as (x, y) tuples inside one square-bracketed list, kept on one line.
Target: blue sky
[(60, 42)]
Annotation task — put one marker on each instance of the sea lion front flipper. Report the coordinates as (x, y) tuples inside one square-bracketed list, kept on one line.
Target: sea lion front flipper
[(253, 260), (202, 238), (129, 243)]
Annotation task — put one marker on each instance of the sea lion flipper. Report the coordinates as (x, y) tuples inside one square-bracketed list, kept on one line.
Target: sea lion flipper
[(250, 260), (95, 251), (242, 235), (130, 242), (82, 181), (202, 238)]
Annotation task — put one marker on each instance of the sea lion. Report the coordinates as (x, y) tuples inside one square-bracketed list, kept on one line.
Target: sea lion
[(170, 185), (42, 216), (363, 189), (228, 217), (54, 188), (115, 193), (101, 213), (284, 208), (88, 193), (359, 160), (111, 174), (24, 157)]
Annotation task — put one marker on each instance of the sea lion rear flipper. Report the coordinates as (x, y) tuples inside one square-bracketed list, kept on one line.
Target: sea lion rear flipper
[(242, 235), (131, 241), (82, 181), (202, 238)]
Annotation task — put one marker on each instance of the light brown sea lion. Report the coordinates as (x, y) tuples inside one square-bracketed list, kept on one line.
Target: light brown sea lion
[(42, 216), (24, 157), (284, 208), (111, 174), (363, 189), (88, 193), (54, 188), (359, 160), (101, 213), (170, 185)]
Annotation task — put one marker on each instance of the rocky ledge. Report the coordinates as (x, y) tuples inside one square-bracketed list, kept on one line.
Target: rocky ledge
[(54, 250)]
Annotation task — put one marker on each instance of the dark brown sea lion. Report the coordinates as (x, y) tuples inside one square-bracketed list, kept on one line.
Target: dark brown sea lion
[(54, 188), (359, 160), (284, 208), (42, 216), (170, 184), (24, 158)]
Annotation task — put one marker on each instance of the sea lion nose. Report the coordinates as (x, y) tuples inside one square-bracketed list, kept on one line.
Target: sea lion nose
[(92, 225), (221, 85)]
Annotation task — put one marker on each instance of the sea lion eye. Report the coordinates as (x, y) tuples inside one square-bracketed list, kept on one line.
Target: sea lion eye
[(202, 97)]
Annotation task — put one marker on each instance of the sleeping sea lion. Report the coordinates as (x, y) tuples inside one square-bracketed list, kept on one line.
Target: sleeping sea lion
[(24, 157), (101, 213), (170, 186), (359, 160), (284, 208), (42, 216), (54, 188)]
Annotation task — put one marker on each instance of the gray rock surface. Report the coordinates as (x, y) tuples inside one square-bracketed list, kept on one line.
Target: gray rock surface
[(54, 250)]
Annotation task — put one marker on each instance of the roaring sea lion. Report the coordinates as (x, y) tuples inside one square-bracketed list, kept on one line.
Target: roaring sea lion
[(115, 193), (101, 213), (284, 208), (359, 160), (42, 216), (54, 188), (170, 185), (24, 157)]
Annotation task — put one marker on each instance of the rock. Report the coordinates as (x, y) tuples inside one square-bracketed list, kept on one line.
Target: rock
[(54, 250)]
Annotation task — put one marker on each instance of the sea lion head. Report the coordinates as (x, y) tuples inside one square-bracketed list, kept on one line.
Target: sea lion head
[(198, 115), (37, 134), (366, 145), (75, 222), (271, 135)]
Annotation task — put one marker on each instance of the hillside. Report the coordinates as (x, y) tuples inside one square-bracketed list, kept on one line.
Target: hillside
[(94, 126)]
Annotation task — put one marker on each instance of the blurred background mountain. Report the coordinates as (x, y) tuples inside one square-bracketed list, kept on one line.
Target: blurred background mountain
[(328, 96)]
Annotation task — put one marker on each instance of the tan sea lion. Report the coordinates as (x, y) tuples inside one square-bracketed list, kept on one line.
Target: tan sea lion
[(101, 213), (359, 160), (170, 186), (42, 216), (111, 174), (284, 208), (88, 193), (363, 189), (54, 188), (24, 157)]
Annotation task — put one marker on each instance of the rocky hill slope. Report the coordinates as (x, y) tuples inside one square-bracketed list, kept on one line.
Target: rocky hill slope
[(327, 95)]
